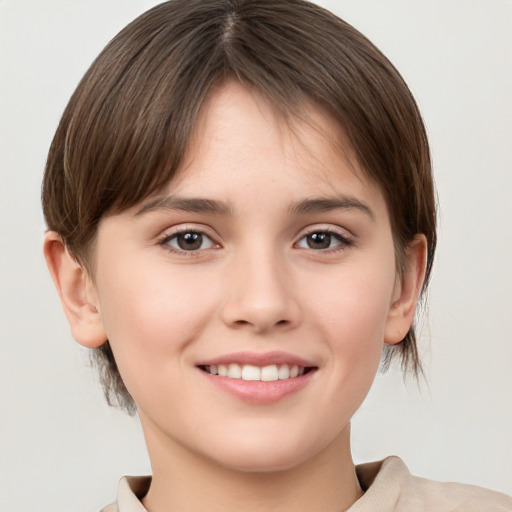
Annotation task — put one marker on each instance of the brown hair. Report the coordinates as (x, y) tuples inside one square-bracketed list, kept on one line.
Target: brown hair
[(126, 128)]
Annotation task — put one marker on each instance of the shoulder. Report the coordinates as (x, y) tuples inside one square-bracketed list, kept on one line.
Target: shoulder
[(130, 491), (110, 508), (390, 487)]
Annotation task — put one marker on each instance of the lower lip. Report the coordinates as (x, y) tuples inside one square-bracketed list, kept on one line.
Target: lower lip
[(257, 391)]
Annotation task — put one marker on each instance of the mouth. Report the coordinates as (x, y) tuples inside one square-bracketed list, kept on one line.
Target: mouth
[(259, 378), (249, 372)]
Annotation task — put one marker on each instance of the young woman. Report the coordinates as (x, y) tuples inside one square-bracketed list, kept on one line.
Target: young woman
[(241, 219)]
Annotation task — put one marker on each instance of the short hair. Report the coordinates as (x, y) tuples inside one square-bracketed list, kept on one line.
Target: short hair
[(127, 126)]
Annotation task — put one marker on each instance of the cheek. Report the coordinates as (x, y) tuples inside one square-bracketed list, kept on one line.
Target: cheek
[(150, 315), (147, 298), (353, 317), (357, 304)]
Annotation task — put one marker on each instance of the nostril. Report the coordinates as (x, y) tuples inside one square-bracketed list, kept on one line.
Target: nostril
[(261, 326)]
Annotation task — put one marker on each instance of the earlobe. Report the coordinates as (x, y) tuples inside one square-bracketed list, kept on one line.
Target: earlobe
[(403, 308), (76, 292)]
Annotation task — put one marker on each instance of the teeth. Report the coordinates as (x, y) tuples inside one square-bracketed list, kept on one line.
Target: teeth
[(268, 373), (284, 372), (234, 371), (250, 372)]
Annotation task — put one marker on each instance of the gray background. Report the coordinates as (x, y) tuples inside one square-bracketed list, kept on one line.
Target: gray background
[(62, 448)]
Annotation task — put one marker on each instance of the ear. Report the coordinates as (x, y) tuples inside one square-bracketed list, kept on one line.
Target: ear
[(407, 291), (76, 291)]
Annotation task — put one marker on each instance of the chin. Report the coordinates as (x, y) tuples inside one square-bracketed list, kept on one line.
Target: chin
[(262, 464), (257, 455)]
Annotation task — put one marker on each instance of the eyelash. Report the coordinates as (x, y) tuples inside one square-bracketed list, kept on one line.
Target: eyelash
[(167, 238), (343, 241)]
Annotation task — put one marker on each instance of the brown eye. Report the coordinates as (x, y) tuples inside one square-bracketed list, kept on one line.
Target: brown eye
[(319, 240), (189, 241), (323, 240)]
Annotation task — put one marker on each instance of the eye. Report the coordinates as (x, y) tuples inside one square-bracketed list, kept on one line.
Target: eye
[(323, 240), (188, 241)]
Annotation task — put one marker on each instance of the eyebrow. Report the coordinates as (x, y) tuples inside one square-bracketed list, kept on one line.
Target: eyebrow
[(324, 204), (186, 204), (212, 206)]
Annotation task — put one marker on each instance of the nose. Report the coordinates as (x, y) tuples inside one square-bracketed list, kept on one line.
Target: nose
[(260, 295)]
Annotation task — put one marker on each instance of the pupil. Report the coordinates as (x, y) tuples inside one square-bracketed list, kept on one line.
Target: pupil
[(319, 240), (190, 241)]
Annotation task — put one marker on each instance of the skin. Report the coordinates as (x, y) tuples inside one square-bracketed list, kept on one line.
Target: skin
[(256, 283)]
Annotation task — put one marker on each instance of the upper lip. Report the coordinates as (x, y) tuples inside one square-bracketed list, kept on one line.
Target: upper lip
[(258, 359)]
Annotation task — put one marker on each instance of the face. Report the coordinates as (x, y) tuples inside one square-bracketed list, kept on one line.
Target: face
[(248, 303)]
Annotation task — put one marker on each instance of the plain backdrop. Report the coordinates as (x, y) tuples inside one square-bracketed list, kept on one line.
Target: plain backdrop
[(62, 448)]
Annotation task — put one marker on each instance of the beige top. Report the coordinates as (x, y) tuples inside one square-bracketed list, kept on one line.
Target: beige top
[(388, 486)]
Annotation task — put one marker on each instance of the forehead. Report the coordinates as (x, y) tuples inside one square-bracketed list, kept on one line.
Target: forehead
[(238, 129)]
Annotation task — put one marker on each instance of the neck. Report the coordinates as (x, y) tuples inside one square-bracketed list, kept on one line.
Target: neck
[(186, 482)]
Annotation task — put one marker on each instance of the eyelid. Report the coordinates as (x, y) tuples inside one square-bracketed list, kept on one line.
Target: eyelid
[(173, 231), (345, 237), (326, 228)]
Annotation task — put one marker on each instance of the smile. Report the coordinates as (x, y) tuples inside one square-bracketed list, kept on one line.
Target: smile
[(259, 378), (249, 372)]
